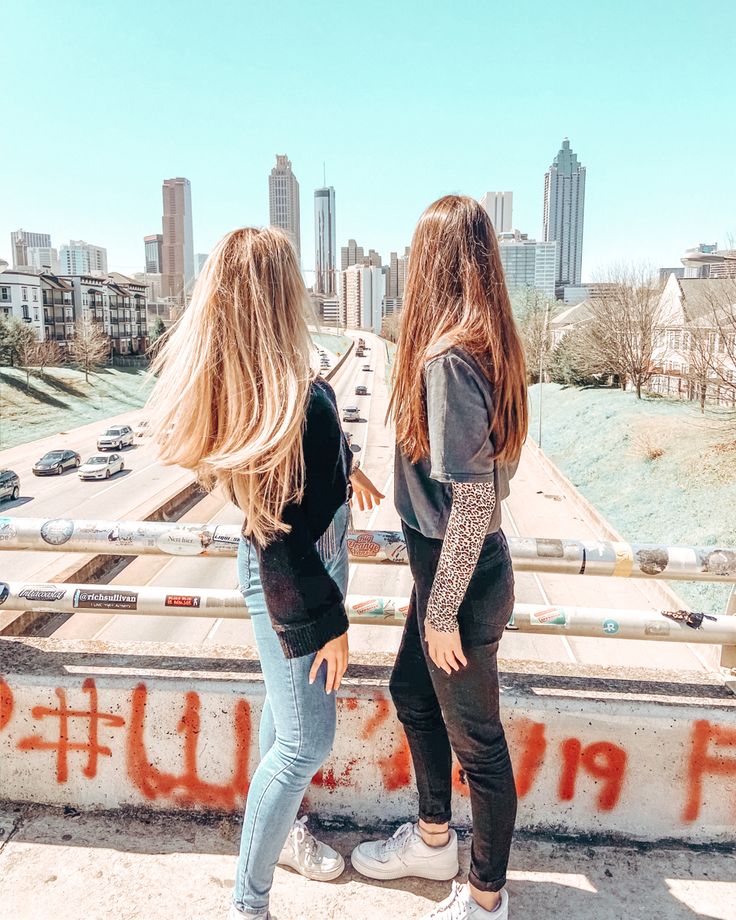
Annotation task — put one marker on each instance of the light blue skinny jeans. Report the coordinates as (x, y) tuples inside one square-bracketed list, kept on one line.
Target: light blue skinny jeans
[(296, 731)]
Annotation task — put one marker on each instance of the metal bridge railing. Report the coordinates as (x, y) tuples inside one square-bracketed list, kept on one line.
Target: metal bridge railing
[(571, 557)]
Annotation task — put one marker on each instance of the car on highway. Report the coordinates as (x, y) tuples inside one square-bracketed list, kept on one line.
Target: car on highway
[(361, 390), (9, 485), (54, 462), (142, 429), (101, 466), (367, 367), (351, 414), (349, 437), (115, 438)]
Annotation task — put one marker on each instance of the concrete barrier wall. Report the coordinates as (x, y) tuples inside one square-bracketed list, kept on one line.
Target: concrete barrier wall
[(100, 728)]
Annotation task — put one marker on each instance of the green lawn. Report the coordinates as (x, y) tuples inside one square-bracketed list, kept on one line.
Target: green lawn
[(60, 398), (657, 469)]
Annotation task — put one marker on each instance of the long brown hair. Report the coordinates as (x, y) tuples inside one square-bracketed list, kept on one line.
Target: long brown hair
[(234, 376), (455, 290)]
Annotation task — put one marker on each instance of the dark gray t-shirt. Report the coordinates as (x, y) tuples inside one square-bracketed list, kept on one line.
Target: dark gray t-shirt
[(459, 414)]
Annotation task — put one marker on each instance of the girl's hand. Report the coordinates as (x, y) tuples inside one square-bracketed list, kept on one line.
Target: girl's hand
[(364, 491), (336, 654), (445, 649)]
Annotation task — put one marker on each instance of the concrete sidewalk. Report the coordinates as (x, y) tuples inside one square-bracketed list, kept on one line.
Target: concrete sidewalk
[(70, 866)]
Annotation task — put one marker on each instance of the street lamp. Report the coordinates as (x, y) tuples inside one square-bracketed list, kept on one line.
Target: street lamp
[(542, 353)]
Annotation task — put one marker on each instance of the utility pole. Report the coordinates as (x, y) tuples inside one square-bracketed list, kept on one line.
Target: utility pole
[(542, 354)]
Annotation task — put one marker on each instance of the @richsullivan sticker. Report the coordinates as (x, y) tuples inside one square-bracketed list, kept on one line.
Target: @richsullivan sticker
[(57, 532), (42, 593), (100, 599), (182, 600)]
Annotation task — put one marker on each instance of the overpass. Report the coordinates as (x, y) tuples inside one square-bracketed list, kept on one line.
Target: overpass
[(127, 734)]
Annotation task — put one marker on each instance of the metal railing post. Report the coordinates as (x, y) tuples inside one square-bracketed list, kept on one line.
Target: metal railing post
[(728, 652)]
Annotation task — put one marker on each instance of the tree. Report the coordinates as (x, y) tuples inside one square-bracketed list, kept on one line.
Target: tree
[(625, 317), (46, 354), (90, 347), (720, 298), (16, 342), (533, 311), (156, 329), (570, 362), (390, 327)]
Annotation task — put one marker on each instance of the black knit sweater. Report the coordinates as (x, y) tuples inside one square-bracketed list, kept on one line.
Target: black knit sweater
[(307, 608)]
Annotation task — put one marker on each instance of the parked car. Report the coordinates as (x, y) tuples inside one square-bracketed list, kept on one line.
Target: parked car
[(367, 367), (55, 462), (9, 485), (361, 390), (142, 429), (101, 466), (115, 438), (351, 414)]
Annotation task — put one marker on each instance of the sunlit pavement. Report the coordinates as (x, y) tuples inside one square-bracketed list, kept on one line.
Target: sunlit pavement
[(97, 867)]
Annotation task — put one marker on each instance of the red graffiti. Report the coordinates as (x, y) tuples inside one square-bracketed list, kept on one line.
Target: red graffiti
[(460, 781), (602, 760), (187, 788), (396, 768), (702, 761), (328, 779), (63, 746), (531, 758), (6, 703)]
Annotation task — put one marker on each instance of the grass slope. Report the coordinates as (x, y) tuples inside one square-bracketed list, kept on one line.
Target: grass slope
[(657, 469), (60, 398)]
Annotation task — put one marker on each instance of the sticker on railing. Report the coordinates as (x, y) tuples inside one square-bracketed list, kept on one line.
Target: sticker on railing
[(57, 532), (100, 599), (181, 543), (42, 592), (549, 616)]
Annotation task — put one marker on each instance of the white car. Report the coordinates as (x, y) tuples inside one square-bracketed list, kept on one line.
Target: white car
[(115, 438), (142, 429), (101, 466), (351, 414)]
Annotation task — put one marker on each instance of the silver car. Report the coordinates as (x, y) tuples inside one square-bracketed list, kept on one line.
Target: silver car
[(115, 438), (351, 414), (101, 466)]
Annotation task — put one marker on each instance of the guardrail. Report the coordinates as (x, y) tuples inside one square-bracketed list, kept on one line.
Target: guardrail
[(572, 557), (529, 554)]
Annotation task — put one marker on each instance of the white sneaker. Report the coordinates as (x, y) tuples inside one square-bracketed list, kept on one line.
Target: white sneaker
[(461, 906), (235, 914), (310, 857), (406, 854)]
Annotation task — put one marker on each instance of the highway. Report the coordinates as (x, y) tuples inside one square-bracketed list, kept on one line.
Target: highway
[(535, 508)]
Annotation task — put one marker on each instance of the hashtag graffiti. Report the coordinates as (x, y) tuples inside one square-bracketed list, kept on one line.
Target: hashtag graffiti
[(63, 745)]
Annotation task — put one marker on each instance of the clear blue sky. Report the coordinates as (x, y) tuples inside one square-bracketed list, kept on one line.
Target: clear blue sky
[(405, 101)]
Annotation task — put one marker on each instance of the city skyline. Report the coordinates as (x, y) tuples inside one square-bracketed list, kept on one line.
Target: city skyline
[(492, 134)]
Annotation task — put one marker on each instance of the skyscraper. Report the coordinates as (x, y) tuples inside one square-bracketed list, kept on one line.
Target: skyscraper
[(352, 254), (80, 258), (154, 256), (325, 281), (527, 263), (564, 205), (499, 207), (21, 241), (177, 256), (283, 201)]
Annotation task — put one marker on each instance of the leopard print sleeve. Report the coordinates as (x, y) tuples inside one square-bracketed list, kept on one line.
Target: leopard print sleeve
[(467, 527)]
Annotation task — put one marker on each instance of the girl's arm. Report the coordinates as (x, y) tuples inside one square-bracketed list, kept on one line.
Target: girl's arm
[(467, 527)]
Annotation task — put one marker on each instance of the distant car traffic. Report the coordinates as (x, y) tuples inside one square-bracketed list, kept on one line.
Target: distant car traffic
[(361, 390), (9, 485), (351, 414), (349, 437), (142, 429), (367, 367), (101, 466), (115, 438), (55, 462)]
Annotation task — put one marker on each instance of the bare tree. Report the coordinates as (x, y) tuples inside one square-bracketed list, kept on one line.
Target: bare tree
[(720, 299), (533, 311), (46, 354), (90, 347), (700, 351), (624, 321)]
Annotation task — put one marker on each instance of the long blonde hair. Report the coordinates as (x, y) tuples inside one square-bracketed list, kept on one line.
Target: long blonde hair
[(455, 290), (234, 376)]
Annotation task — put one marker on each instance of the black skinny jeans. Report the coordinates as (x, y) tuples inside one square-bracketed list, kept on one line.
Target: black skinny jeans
[(460, 712)]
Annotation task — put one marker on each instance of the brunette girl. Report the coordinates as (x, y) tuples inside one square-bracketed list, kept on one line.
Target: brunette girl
[(460, 410)]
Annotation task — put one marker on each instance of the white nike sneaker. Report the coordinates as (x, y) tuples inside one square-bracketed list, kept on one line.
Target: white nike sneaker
[(235, 914), (406, 854), (461, 906), (310, 857)]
